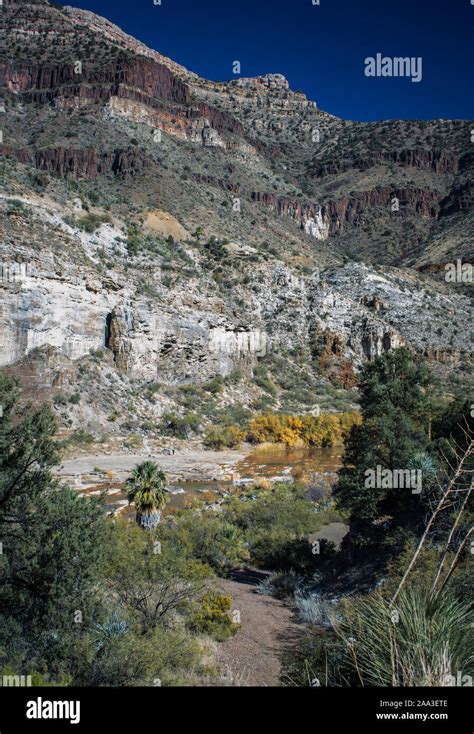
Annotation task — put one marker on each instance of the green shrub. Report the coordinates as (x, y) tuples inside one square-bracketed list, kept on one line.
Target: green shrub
[(230, 415), (15, 206), (134, 441), (276, 526), (147, 289), (219, 438), (209, 538), (213, 617), (282, 584), (316, 660), (215, 385), (90, 222), (266, 385), (78, 438), (60, 399), (179, 426)]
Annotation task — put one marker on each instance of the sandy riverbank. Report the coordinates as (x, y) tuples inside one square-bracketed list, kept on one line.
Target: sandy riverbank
[(184, 465)]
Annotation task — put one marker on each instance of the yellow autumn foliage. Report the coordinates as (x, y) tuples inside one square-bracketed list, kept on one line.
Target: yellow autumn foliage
[(328, 429)]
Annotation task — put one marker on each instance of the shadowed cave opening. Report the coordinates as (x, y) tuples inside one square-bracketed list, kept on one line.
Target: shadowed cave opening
[(108, 322)]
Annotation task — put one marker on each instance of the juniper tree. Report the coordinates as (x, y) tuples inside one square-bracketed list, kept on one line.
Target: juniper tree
[(396, 397), (52, 539)]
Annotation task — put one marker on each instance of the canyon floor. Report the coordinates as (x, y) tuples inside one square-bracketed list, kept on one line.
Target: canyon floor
[(187, 464)]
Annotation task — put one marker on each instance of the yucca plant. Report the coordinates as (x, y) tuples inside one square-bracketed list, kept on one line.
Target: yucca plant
[(114, 626), (423, 462), (147, 489), (422, 640)]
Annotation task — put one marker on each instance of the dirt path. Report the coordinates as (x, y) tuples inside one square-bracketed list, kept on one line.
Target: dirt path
[(267, 628)]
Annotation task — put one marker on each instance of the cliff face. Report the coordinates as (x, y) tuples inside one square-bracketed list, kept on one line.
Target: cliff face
[(312, 235), (327, 220), (439, 161), (192, 336), (80, 163), (140, 79)]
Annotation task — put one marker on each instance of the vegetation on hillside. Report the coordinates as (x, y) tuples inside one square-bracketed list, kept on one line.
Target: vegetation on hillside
[(86, 600)]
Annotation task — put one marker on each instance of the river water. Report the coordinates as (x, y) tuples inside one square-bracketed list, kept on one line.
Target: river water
[(272, 463)]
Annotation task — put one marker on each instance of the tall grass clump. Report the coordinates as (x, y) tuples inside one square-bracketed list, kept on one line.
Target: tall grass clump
[(421, 640), (313, 610)]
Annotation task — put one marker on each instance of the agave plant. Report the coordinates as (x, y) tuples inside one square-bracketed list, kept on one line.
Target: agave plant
[(147, 489), (424, 463), (113, 627)]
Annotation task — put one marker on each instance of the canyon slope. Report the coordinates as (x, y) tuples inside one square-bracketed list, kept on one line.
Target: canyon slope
[(178, 245)]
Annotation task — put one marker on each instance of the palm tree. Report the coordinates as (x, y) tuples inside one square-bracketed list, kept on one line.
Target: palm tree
[(147, 488)]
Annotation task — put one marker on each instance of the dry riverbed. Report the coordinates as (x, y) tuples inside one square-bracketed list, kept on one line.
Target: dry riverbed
[(194, 465)]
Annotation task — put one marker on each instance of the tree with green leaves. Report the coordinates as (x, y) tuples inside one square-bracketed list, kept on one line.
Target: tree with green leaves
[(147, 489), (152, 580), (52, 541), (396, 397)]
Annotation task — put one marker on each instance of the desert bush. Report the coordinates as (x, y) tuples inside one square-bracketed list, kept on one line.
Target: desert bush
[(317, 660), (219, 438), (134, 441), (312, 610), (78, 438), (163, 655), (281, 584), (15, 206), (420, 641), (209, 538), (275, 526), (215, 438), (39, 180), (152, 581), (90, 222), (60, 399), (215, 385), (264, 428), (213, 616), (179, 426), (424, 571), (232, 415), (266, 384)]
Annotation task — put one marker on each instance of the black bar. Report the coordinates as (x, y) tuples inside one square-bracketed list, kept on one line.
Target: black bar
[(136, 710)]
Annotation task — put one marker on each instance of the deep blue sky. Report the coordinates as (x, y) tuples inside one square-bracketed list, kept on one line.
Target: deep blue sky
[(320, 49)]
